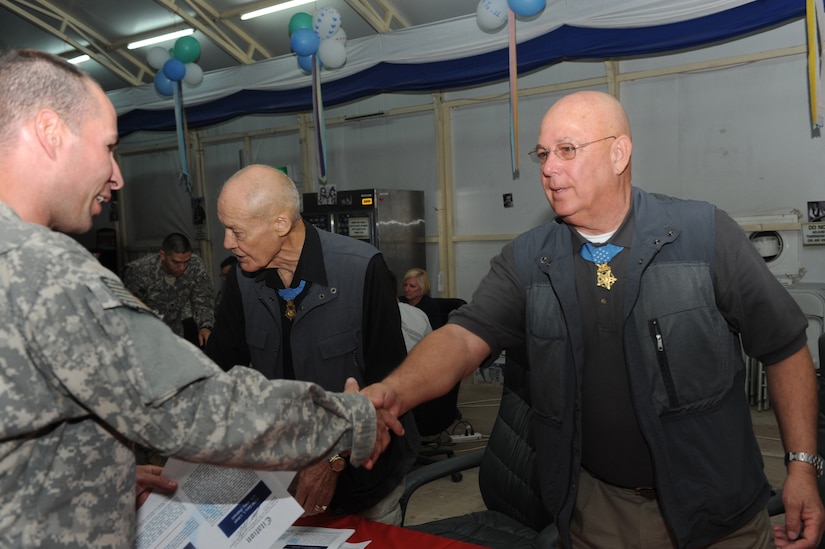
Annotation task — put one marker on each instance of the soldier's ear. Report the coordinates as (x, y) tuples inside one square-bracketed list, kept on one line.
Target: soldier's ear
[(49, 128)]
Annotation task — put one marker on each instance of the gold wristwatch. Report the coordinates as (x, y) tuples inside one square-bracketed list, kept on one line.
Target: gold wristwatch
[(337, 463)]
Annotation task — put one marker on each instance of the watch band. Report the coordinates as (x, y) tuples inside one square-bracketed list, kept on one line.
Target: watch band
[(812, 459)]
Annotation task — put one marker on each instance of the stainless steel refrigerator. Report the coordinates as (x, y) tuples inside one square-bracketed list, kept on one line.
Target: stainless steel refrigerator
[(391, 220)]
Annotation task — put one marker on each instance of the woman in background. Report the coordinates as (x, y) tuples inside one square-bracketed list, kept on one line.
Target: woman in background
[(416, 292)]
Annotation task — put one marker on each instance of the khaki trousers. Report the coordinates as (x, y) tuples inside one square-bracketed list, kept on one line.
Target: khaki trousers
[(606, 516)]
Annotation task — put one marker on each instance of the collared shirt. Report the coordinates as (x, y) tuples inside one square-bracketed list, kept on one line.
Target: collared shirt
[(613, 447)]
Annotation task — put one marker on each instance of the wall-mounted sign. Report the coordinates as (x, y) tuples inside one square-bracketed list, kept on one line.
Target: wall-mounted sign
[(813, 234), (359, 227)]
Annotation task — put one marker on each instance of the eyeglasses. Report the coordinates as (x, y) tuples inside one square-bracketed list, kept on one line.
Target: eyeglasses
[(565, 151)]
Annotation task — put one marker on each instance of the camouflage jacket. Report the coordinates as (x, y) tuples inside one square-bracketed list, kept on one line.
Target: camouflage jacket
[(86, 373), (191, 295)]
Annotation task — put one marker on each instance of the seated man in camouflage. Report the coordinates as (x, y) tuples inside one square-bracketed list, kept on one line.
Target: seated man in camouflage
[(175, 284)]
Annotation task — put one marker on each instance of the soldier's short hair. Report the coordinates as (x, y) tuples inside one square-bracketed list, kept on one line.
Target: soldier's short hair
[(176, 243), (31, 80)]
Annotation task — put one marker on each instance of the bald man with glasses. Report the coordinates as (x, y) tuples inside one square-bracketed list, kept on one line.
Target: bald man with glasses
[(634, 309)]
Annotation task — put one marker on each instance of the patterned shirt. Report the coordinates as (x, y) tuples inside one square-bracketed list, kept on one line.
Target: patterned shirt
[(85, 374), (190, 296)]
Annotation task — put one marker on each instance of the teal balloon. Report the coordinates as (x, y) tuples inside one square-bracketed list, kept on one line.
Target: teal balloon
[(300, 20), (187, 49)]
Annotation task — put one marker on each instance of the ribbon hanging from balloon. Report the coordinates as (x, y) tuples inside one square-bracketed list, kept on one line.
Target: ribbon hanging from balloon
[(320, 124), (511, 29), (180, 124), (177, 66), (815, 27), (491, 15)]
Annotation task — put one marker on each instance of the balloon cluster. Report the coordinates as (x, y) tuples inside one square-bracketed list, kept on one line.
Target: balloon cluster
[(492, 14), (320, 34), (176, 64)]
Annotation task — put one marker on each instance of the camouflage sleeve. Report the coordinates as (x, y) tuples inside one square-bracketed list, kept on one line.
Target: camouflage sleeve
[(203, 297), (127, 368), (132, 279)]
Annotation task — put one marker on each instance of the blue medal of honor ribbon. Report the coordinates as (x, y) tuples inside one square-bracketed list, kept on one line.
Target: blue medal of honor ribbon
[(291, 293), (599, 254)]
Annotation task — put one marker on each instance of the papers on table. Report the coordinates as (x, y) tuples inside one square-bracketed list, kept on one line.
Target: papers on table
[(225, 508), (306, 537), (217, 508)]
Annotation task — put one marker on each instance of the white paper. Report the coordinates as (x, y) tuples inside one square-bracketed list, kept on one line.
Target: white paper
[(308, 537), (217, 508)]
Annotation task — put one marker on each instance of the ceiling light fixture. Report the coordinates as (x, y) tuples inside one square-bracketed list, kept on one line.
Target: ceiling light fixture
[(78, 59), (157, 39), (277, 7)]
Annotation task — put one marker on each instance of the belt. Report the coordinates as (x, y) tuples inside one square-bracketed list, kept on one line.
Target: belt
[(647, 492)]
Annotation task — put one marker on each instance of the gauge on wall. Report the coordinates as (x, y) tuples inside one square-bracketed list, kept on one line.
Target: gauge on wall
[(769, 244)]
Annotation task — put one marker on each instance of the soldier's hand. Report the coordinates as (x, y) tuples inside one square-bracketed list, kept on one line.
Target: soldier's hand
[(148, 477), (385, 421)]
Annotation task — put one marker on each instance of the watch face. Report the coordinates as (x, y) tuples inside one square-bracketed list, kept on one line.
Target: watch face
[(337, 464)]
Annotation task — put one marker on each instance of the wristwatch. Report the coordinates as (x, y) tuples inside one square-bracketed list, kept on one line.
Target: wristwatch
[(337, 463), (813, 459)]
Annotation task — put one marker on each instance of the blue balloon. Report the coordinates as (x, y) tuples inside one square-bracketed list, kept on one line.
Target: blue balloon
[(306, 62), (304, 42), (174, 69), (163, 85), (526, 8)]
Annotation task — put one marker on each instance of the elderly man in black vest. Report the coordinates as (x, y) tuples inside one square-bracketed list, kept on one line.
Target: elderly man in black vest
[(311, 305)]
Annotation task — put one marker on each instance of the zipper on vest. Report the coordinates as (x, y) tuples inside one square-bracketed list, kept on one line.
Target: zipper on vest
[(664, 368)]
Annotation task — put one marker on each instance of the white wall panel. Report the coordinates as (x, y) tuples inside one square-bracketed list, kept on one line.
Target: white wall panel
[(483, 173), (472, 263), (155, 202)]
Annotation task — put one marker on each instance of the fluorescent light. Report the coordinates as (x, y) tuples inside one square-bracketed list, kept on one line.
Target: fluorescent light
[(78, 59), (277, 7), (161, 38)]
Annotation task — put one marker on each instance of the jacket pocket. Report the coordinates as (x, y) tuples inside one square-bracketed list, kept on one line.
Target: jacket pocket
[(661, 358)]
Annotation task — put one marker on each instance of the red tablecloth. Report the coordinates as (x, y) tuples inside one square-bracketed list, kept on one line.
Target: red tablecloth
[(383, 536)]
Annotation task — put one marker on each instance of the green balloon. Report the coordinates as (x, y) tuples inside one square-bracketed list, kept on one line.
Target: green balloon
[(300, 20), (187, 49)]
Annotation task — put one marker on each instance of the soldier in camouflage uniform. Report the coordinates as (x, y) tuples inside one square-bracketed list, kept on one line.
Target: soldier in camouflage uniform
[(85, 366), (175, 284)]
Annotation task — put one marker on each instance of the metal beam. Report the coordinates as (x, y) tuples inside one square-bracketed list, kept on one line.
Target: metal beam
[(252, 44), (97, 46), (209, 21), (380, 14)]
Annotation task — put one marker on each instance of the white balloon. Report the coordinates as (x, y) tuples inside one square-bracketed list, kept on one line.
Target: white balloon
[(340, 35), (157, 56), (326, 22), (332, 53), (491, 14), (194, 74)]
